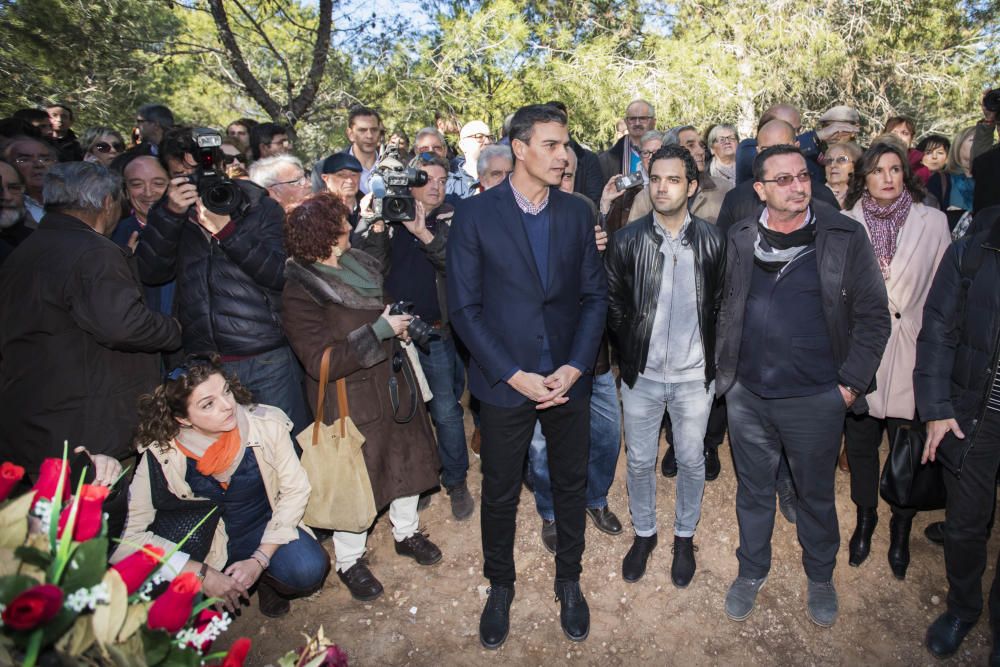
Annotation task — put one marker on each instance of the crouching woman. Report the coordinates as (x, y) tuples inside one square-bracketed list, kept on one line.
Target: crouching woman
[(204, 446)]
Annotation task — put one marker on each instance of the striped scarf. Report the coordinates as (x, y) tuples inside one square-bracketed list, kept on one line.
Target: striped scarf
[(884, 224)]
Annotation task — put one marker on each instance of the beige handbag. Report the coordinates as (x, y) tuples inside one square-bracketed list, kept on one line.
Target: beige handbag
[(341, 497)]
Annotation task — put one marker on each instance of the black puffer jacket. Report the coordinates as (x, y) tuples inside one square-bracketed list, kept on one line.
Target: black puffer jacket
[(958, 350), (635, 265), (228, 286)]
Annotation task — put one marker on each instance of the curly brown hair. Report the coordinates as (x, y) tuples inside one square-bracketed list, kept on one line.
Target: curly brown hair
[(159, 411), (868, 163), (313, 227)]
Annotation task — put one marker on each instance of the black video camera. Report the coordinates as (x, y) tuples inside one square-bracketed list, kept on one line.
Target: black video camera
[(420, 332), (219, 194), (390, 184)]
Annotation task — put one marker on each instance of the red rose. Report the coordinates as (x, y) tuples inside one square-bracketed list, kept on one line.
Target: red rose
[(334, 657), (10, 475), (34, 607), (172, 609), (48, 479), (204, 618), (135, 568), (89, 516), (237, 653)]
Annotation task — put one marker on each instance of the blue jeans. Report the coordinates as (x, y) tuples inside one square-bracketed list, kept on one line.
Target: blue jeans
[(300, 564), (446, 378), (275, 378), (605, 443), (688, 404)]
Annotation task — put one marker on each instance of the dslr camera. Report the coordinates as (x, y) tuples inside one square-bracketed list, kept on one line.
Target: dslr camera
[(991, 100), (390, 184), (420, 332), (219, 194)]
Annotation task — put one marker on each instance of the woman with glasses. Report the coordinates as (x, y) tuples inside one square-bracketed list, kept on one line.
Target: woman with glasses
[(207, 451), (722, 142), (839, 164), (909, 239), (333, 298), (102, 145)]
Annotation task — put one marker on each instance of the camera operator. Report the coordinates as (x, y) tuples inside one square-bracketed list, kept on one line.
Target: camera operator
[(229, 271), (414, 253), (986, 154)]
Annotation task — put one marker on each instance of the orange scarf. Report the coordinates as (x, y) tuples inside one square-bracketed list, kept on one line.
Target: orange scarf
[(219, 455)]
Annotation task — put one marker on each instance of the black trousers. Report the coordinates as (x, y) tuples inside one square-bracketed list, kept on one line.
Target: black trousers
[(716, 425), (966, 526), (862, 437), (506, 435), (807, 429)]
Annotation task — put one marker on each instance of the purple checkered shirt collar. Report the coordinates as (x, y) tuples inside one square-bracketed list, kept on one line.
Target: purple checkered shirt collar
[(525, 204)]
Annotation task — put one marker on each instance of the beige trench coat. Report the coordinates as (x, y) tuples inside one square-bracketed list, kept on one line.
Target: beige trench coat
[(284, 480), (919, 248)]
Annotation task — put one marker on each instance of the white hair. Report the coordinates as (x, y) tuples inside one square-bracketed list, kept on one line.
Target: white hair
[(264, 172), (80, 186), (490, 152), (429, 130)]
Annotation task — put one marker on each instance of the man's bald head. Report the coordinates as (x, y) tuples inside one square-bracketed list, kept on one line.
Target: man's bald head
[(775, 133), (785, 112)]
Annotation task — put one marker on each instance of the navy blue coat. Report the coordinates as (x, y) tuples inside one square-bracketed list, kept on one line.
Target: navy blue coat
[(498, 306)]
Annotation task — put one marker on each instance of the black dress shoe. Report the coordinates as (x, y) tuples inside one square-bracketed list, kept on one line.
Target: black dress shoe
[(899, 546), (272, 604), (494, 624), (787, 500), (574, 614), (549, 535), (995, 654), (861, 541), (634, 564), (683, 565), (419, 548), (712, 464), (669, 464), (361, 582), (945, 634), (935, 533), (605, 520)]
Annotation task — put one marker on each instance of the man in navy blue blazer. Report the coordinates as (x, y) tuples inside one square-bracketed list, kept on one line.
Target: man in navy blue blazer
[(527, 294)]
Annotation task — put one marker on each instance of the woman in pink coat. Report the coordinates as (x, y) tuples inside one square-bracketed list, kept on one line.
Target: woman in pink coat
[(909, 239)]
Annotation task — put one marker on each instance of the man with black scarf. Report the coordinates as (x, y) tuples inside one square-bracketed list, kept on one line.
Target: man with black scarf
[(801, 333)]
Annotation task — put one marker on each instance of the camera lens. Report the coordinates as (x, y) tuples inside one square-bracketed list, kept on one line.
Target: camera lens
[(395, 206)]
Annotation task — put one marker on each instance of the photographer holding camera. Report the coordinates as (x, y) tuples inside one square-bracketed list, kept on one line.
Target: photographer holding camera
[(222, 242), (413, 242)]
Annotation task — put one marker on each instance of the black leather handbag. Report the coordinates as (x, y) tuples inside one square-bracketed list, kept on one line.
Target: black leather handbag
[(905, 481)]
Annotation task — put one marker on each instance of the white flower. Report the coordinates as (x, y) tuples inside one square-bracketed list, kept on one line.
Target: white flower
[(211, 632), (88, 598), (43, 512)]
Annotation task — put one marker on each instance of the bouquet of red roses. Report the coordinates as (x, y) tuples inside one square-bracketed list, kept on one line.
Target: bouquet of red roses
[(57, 592)]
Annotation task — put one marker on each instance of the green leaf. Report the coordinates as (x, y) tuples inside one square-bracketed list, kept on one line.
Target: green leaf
[(182, 657), (156, 644), (87, 565), (13, 585), (66, 543), (33, 556), (55, 628)]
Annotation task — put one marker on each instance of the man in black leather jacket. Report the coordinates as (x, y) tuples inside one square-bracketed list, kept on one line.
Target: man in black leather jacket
[(229, 271), (665, 274)]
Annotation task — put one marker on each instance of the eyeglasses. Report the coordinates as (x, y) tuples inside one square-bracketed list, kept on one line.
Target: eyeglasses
[(105, 147), (480, 136), (298, 182), (786, 179), (646, 153), (840, 159), (724, 140), (638, 119), (44, 161), (280, 142), (182, 371)]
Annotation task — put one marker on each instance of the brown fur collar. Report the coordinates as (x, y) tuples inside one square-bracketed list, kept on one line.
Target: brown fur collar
[(326, 288)]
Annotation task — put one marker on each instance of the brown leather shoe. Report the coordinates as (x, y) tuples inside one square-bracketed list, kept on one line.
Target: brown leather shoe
[(477, 441), (419, 548), (842, 461)]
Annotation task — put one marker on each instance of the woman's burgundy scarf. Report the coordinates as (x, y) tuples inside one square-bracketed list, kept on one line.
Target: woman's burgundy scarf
[(884, 224)]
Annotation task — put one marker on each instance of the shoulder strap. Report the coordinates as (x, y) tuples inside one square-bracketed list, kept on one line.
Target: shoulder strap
[(324, 379)]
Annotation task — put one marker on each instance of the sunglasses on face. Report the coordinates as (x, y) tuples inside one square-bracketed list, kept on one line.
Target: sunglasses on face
[(787, 179), (105, 147), (230, 159)]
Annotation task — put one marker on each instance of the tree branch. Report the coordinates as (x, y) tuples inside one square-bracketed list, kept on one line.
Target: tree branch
[(236, 60)]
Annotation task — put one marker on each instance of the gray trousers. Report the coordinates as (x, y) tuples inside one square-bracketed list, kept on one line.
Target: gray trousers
[(809, 430)]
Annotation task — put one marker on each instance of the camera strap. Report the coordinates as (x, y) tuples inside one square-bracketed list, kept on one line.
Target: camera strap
[(399, 361)]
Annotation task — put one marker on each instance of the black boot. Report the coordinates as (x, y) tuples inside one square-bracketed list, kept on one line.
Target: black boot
[(634, 564), (683, 566), (861, 540), (272, 604), (899, 545), (946, 633)]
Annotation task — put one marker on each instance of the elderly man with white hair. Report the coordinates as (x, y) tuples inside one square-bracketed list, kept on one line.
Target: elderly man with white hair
[(284, 178), (464, 176)]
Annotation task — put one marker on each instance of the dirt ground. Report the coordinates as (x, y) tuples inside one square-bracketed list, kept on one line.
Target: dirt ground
[(430, 616)]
